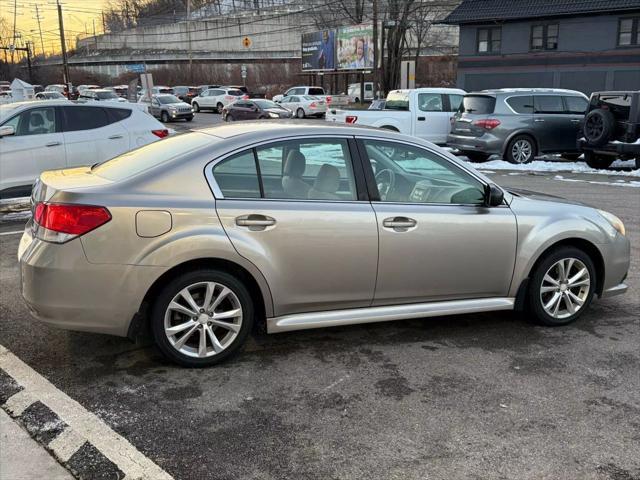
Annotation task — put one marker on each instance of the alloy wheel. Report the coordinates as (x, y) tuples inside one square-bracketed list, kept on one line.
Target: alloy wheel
[(565, 288), (300, 113), (203, 319), (521, 151)]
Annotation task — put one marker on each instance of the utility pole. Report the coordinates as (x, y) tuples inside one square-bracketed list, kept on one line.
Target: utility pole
[(29, 62), (39, 30), (376, 50), (189, 41), (65, 65), (15, 12)]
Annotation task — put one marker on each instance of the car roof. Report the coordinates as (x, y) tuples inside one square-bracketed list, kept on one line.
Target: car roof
[(431, 90), (530, 90)]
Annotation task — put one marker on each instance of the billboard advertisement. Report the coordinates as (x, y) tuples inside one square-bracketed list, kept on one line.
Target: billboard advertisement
[(319, 50), (354, 47)]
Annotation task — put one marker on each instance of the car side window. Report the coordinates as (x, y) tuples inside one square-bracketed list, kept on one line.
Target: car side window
[(430, 102), (35, 121), (294, 99), (84, 118), (454, 102), (307, 170), (548, 104), (410, 174), (118, 114), (521, 104), (576, 105), (237, 176)]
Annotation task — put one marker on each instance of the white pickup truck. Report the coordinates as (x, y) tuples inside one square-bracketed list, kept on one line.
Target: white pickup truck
[(422, 112), (311, 91)]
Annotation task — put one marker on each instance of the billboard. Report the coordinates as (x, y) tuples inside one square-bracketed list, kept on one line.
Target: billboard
[(319, 50), (354, 47)]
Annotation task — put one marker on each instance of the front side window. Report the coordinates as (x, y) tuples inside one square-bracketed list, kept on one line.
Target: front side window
[(629, 32), (430, 102), (409, 174), (548, 104), (489, 40), (36, 121), (544, 37)]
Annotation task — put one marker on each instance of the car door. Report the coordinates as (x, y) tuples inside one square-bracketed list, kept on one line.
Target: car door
[(437, 239), (36, 146), (552, 125), (575, 108), (301, 222), (155, 107), (294, 103), (430, 118)]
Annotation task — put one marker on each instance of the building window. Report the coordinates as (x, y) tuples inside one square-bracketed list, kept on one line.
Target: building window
[(544, 37), (489, 40), (629, 32)]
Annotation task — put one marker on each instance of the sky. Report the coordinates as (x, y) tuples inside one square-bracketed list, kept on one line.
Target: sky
[(78, 15)]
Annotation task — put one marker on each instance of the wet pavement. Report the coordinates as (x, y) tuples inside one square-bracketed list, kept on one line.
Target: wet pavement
[(476, 396)]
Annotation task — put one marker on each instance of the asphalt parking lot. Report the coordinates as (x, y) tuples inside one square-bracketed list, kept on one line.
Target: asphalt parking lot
[(484, 396)]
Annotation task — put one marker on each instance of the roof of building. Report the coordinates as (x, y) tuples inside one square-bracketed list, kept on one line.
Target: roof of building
[(476, 11)]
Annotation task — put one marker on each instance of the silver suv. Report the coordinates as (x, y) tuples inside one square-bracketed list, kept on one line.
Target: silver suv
[(518, 124), (301, 226)]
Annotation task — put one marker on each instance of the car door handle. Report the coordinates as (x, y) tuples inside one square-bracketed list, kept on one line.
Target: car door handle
[(421, 119), (539, 120), (399, 223), (114, 137), (255, 220), (53, 144)]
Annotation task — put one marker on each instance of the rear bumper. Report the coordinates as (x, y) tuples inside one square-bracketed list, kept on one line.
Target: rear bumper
[(62, 289), (611, 148), (488, 144)]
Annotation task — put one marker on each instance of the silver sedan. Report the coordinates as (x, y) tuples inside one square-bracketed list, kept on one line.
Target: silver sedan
[(302, 106), (300, 226)]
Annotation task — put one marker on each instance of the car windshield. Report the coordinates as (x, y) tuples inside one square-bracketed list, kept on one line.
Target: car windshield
[(149, 156), (167, 99), (397, 101), (478, 104), (106, 95), (264, 104)]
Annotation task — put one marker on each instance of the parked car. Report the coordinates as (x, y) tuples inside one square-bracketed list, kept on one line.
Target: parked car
[(518, 123), (168, 107), (82, 88), (101, 95), (50, 96), (120, 90), (254, 109), (155, 91), (50, 134), (304, 105), (199, 256), (422, 112), (313, 91), (56, 87), (217, 98), (202, 88), (611, 128), (377, 105), (354, 91), (186, 94)]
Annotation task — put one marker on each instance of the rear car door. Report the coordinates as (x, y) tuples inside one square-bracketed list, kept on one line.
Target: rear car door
[(437, 239), (302, 221), (430, 118), (553, 128), (575, 108), (36, 146)]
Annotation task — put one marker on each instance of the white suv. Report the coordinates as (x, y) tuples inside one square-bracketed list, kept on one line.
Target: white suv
[(50, 134), (217, 98)]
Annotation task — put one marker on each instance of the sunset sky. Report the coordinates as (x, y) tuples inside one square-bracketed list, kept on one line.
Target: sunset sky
[(79, 16)]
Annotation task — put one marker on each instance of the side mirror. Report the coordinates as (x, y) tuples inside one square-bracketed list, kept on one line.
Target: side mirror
[(493, 196), (7, 130)]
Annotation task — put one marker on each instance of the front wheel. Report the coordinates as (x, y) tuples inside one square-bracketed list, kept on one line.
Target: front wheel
[(220, 107), (300, 113), (562, 287), (599, 162), (196, 107), (202, 318), (164, 117), (521, 149)]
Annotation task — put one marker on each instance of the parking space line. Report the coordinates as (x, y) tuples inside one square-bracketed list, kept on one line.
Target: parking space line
[(16, 232), (19, 402), (85, 424), (66, 444)]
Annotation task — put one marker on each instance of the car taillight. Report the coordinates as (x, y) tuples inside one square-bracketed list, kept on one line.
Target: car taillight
[(487, 123), (61, 222), (160, 133), (351, 119), (328, 98)]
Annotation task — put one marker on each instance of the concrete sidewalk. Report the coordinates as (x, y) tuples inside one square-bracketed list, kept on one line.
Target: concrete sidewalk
[(22, 458)]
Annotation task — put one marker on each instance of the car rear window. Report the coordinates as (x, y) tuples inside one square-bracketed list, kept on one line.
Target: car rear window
[(145, 158), (397, 101), (316, 91), (235, 93), (478, 104), (117, 114)]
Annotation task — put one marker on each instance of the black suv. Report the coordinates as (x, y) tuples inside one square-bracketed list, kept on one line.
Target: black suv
[(611, 128)]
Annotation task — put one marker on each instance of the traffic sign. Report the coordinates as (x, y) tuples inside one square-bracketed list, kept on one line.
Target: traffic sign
[(136, 68)]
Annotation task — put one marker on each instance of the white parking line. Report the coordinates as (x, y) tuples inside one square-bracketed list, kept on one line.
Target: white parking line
[(85, 424), (16, 232), (66, 444)]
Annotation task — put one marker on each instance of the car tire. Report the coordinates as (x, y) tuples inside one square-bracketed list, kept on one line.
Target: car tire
[(599, 162), (598, 127), (300, 113), (196, 107), (570, 156), (164, 117), (187, 351), (476, 157), (521, 149), (219, 108), (229, 118), (548, 303)]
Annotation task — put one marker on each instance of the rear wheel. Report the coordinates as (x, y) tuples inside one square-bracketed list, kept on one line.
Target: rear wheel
[(196, 107), (600, 162), (521, 149), (300, 113), (476, 157), (220, 107), (164, 117), (202, 318), (562, 287)]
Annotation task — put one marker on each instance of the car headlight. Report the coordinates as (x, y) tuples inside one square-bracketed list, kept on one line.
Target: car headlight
[(274, 115), (614, 221)]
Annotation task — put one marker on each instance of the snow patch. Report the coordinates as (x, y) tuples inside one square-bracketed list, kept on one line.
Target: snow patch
[(573, 167)]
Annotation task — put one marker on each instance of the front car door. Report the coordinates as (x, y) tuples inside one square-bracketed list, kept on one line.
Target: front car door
[(437, 239), (431, 120), (300, 221)]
